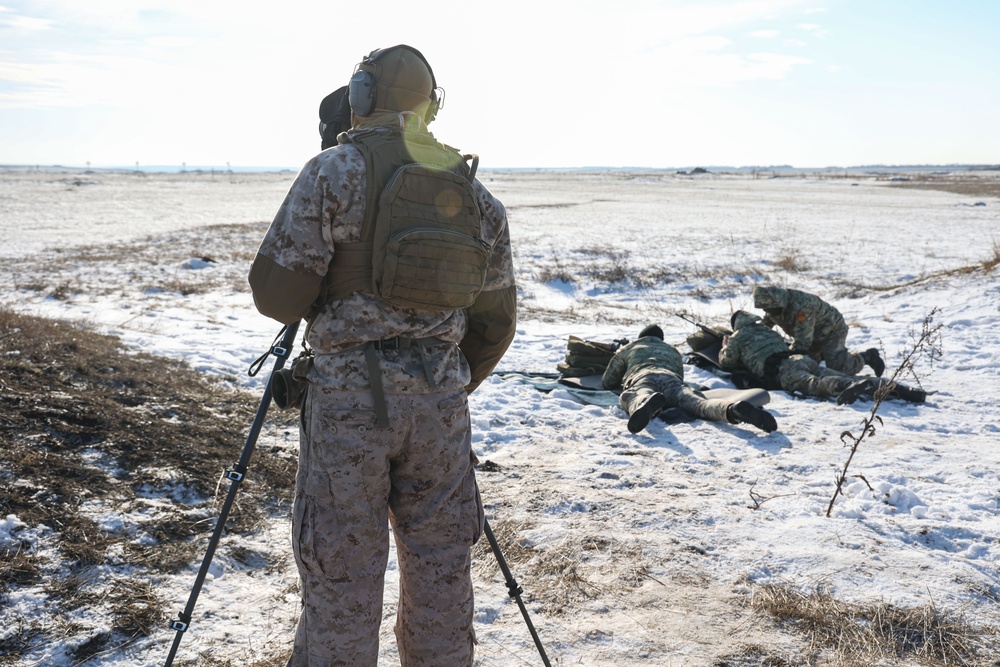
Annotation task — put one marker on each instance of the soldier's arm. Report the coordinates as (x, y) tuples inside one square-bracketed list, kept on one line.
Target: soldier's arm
[(493, 317), (287, 273), (615, 371), (279, 293), (729, 355), (803, 331), (492, 321)]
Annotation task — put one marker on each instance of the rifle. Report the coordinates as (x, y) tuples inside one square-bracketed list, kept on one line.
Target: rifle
[(704, 328)]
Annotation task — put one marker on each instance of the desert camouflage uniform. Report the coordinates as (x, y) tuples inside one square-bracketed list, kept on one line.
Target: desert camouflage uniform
[(817, 328), (757, 349), (353, 477), (649, 365)]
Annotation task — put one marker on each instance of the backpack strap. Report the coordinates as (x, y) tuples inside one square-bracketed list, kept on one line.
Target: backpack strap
[(375, 370), (350, 269)]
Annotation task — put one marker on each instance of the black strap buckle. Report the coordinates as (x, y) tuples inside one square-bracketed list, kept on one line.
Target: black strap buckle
[(387, 344)]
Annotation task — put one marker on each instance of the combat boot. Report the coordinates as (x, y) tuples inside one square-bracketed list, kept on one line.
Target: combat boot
[(677, 416), (856, 390), (874, 361), (740, 412), (907, 394), (649, 409)]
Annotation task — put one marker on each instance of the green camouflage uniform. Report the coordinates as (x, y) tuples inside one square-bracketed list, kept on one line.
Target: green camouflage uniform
[(649, 365), (757, 349), (817, 328), (354, 478)]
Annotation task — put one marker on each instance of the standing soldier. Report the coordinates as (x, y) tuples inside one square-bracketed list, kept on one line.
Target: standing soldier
[(400, 334), (756, 349), (651, 374), (817, 328)]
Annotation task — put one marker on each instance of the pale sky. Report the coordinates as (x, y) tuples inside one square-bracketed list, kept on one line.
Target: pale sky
[(548, 83)]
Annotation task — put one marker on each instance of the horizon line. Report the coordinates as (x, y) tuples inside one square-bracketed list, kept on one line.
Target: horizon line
[(227, 168)]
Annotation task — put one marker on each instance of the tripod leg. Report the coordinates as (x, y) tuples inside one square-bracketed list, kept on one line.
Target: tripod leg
[(235, 476), (514, 591)]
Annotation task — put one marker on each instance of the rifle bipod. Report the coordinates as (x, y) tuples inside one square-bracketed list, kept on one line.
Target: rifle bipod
[(513, 590), (281, 350)]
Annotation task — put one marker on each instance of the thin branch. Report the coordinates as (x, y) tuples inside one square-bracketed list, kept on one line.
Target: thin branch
[(926, 344)]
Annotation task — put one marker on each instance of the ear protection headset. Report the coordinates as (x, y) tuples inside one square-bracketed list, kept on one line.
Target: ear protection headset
[(361, 88)]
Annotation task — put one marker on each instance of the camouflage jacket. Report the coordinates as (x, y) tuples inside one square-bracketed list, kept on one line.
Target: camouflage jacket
[(805, 317), (748, 348), (648, 353), (324, 207)]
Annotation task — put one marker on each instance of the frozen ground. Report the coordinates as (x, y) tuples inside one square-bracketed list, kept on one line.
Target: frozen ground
[(632, 549)]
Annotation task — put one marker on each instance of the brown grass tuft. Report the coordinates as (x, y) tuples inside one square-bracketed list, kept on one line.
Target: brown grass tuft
[(584, 567), (861, 635), (791, 263)]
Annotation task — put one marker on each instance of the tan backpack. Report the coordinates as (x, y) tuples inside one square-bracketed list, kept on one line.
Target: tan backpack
[(422, 243)]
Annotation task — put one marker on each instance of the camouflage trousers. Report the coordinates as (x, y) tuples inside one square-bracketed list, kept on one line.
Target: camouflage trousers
[(353, 480), (833, 350), (647, 382), (800, 373)]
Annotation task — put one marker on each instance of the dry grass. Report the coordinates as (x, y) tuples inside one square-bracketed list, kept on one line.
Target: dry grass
[(86, 424), (865, 635), (250, 659), (984, 184), (986, 266), (556, 579), (753, 655), (791, 262), (155, 265)]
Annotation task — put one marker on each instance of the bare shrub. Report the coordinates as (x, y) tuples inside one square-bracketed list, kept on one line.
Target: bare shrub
[(617, 270), (791, 262), (926, 343), (556, 272), (993, 261), (182, 287)]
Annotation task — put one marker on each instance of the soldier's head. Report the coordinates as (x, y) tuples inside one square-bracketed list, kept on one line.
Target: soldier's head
[(741, 318), (652, 330), (769, 299), (397, 78), (334, 117)]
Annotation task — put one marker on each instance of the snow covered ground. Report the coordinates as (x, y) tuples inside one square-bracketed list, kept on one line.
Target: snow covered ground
[(632, 549)]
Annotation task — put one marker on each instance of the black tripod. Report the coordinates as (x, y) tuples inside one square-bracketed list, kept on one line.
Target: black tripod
[(513, 590), (282, 350)]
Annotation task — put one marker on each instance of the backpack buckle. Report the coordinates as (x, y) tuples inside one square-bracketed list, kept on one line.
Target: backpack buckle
[(393, 343)]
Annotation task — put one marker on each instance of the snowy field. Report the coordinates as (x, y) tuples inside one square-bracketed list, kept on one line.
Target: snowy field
[(632, 549)]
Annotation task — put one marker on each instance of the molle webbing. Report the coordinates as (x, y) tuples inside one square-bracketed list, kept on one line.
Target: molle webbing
[(433, 197)]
